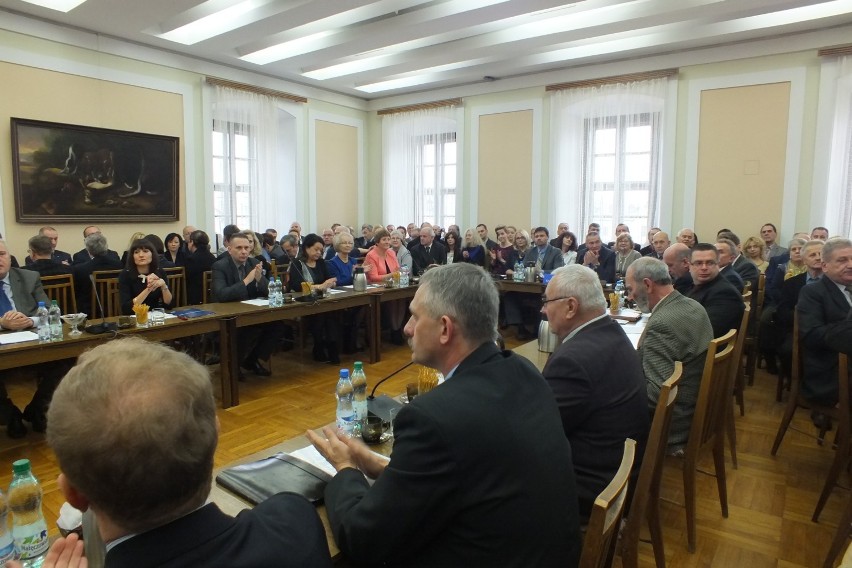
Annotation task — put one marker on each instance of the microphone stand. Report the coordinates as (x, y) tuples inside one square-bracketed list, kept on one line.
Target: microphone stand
[(381, 406), (373, 392)]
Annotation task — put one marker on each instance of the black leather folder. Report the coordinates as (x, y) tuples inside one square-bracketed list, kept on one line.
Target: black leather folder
[(280, 473)]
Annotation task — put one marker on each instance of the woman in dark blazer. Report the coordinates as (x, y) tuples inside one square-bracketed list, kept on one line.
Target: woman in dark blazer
[(142, 282)]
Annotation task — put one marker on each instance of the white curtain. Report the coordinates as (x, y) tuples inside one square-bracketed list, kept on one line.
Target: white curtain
[(839, 219), (575, 115), (406, 188), (258, 115)]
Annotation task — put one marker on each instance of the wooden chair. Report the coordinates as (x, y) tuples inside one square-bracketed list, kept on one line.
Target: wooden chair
[(844, 530), (61, 289), (709, 425), (605, 520), (752, 341), (105, 285), (738, 369), (176, 278), (796, 399), (841, 439), (646, 494), (207, 287)]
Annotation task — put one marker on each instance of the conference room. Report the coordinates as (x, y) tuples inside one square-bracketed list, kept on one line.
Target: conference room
[(714, 115)]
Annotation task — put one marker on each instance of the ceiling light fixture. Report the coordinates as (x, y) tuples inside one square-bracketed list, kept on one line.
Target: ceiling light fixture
[(212, 25), (287, 49), (58, 5)]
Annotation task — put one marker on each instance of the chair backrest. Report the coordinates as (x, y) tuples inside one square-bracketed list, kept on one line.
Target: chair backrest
[(605, 520), (739, 365), (647, 487), (845, 393), (747, 286), (747, 296), (176, 277), (714, 394), (105, 286), (61, 289), (282, 270), (761, 295), (206, 286)]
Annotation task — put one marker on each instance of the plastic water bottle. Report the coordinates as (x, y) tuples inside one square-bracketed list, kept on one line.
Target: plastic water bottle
[(359, 392), (53, 316), (29, 529), (43, 323), (273, 292), (404, 279), (518, 275), (7, 544), (279, 292), (345, 412)]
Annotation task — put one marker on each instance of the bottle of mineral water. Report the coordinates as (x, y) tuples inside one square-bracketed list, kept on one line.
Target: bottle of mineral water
[(7, 544), (43, 323), (273, 292), (279, 292), (518, 275), (359, 392), (345, 412), (29, 529), (54, 317)]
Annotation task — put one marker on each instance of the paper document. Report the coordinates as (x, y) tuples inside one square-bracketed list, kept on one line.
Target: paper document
[(257, 302), (333, 291), (313, 457), (17, 337)]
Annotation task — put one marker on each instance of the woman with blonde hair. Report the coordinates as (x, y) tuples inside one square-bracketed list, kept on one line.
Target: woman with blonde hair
[(753, 249), (522, 244), (473, 251)]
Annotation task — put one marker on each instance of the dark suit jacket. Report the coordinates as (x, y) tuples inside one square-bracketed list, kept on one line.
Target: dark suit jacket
[(26, 291), (748, 271), (684, 284), (421, 259), (57, 256), (775, 278), (606, 268), (195, 265), (282, 531), (822, 308), (597, 379), (229, 287), (480, 475), (82, 284), (82, 257), (724, 304), (731, 275), (47, 267), (551, 260)]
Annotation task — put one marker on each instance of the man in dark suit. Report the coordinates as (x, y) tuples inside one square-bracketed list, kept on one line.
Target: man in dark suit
[(42, 259), (482, 230), (822, 308), (769, 234), (598, 258), (561, 229), (84, 256), (149, 486), (365, 241), (429, 252), (727, 253), (676, 258), (99, 258), (481, 472), (544, 256), (724, 304), (659, 243), (239, 277), (58, 256), (20, 293), (649, 248), (197, 261), (597, 379)]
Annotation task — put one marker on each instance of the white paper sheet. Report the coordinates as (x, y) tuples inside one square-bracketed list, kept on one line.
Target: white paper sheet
[(257, 302), (313, 457), (17, 337)]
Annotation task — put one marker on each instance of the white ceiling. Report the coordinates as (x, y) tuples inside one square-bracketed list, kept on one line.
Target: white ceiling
[(379, 48)]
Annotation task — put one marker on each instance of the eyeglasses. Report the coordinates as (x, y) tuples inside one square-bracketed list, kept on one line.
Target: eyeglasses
[(544, 299), (700, 263)]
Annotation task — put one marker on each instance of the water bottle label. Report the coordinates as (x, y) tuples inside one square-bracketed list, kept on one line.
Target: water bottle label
[(7, 553), (32, 546)]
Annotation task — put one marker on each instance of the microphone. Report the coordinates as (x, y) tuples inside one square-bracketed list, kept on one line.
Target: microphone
[(104, 326), (381, 406)]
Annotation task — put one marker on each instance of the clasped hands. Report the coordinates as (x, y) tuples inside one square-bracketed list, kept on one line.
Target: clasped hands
[(342, 452), (152, 281), (15, 320), (591, 258)]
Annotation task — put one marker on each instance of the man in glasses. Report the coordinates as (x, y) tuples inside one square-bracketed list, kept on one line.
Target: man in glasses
[(601, 399), (724, 304)]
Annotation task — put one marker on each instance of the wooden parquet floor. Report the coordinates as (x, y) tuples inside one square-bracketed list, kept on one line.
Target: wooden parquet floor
[(771, 499)]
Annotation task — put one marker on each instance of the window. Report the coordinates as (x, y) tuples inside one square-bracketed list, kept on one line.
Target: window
[(619, 173), (435, 167), (234, 174)]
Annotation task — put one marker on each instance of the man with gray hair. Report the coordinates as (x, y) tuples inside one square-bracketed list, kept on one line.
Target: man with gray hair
[(134, 429), (475, 460), (429, 252), (601, 399), (99, 259), (678, 330)]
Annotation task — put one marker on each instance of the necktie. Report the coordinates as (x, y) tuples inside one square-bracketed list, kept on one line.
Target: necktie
[(242, 270), (428, 249), (5, 304)]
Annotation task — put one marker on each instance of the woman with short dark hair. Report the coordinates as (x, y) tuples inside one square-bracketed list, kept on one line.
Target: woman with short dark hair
[(142, 281)]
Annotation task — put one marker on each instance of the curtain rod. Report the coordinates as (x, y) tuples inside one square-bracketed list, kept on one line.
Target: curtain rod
[(255, 89), (421, 106), (834, 51), (628, 78)]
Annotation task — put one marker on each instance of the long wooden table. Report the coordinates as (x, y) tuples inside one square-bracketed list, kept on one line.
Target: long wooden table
[(226, 319)]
